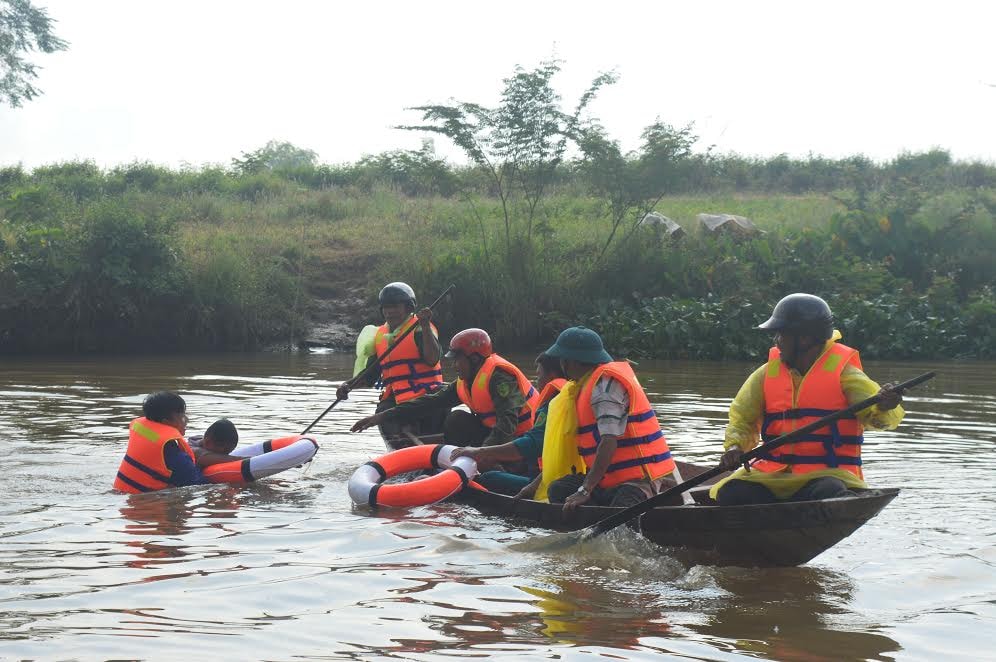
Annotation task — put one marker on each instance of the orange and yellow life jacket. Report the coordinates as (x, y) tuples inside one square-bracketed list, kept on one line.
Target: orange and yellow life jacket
[(550, 391), (478, 396), (143, 468), (837, 446), (403, 372), (641, 451)]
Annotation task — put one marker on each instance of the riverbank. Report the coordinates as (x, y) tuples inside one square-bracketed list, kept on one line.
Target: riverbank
[(143, 257)]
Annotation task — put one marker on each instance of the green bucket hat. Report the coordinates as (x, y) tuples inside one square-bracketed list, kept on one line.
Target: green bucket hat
[(580, 344)]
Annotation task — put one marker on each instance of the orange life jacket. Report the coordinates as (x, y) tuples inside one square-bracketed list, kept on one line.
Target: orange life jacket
[(403, 373), (143, 468), (837, 446), (641, 451), (550, 391), (478, 396)]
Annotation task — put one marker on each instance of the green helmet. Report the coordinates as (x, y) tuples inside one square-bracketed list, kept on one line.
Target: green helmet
[(580, 344), (800, 313)]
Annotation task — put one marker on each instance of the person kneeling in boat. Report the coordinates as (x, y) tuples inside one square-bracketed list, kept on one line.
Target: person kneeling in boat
[(808, 375), (525, 450), (412, 368), (158, 456), (502, 402), (617, 433)]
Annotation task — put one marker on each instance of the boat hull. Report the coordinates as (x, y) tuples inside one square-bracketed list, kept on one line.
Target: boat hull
[(786, 533)]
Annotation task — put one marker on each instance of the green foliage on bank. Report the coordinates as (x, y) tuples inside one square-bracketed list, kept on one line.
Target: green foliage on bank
[(144, 257), (93, 261)]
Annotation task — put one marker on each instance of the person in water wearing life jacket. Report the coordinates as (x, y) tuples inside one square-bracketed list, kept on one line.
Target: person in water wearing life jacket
[(158, 456), (809, 375), (219, 439), (616, 434), (525, 450), (412, 368), (501, 399)]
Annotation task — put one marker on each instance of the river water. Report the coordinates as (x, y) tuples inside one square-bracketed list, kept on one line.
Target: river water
[(288, 569)]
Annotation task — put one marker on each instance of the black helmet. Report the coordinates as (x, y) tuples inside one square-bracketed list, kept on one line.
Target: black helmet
[(397, 293), (801, 313)]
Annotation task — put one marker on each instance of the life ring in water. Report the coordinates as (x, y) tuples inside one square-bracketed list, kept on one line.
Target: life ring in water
[(263, 459), (367, 488)]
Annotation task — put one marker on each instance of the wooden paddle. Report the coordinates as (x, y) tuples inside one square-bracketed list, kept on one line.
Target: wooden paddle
[(376, 364), (623, 516)]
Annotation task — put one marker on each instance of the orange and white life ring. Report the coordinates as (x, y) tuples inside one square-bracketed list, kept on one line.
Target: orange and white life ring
[(367, 488), (263, 459)]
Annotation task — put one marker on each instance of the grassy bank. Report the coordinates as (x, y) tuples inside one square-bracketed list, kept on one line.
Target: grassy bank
[(144, 257)]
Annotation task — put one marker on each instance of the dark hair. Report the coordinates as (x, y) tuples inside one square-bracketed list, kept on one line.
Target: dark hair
[(223, 431), (161, 405), (551, 364)]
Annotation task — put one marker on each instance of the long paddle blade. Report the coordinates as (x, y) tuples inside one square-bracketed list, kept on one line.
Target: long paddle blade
[(366, 371), (623, 516)]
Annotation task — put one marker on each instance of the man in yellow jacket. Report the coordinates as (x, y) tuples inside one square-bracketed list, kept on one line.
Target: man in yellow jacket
[(809, 375)]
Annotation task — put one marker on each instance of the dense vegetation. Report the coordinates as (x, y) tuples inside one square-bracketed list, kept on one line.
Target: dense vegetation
[(540, 230), (142, 256)]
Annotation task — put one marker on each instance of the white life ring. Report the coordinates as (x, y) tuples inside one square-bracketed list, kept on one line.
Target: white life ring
[(366, 485), (263, 459)]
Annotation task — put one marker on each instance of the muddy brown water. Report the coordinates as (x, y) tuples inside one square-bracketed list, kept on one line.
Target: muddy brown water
[(288, 569)]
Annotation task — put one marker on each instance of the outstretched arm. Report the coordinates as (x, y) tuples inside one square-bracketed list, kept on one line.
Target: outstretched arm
[(489, 455), (205, 458)]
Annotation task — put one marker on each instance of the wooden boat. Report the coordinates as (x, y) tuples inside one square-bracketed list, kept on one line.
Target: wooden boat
[(786, 533)]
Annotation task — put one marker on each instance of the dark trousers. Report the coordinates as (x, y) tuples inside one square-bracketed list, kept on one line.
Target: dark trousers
[(430, 424), (461, 428), (621, 496), (742, 492)]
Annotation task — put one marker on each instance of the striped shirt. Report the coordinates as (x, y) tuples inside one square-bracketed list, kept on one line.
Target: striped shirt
[(610, 402)]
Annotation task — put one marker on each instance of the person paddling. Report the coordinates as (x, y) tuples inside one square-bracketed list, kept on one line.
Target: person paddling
[(410, 370), (809, 374), (501, 400)]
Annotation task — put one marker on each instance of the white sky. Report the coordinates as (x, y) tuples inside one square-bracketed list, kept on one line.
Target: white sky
[(202, 81)]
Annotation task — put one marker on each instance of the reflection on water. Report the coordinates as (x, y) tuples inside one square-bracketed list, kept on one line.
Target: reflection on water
[(789, 614), (576, 612), (288, 568)]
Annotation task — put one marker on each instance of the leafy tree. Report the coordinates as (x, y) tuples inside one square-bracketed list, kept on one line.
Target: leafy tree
[(23, 28), (518, 144), (634, 183), (414, 172), (275, 155)]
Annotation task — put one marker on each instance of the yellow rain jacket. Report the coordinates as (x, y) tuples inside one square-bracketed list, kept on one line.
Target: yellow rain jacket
[(747, 412)]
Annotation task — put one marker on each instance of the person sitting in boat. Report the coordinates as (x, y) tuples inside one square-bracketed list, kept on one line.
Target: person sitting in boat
[(809, 375), (412, 368), (216, 444), (525, 450), (502, 402), (158, 456), (617, 433)]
